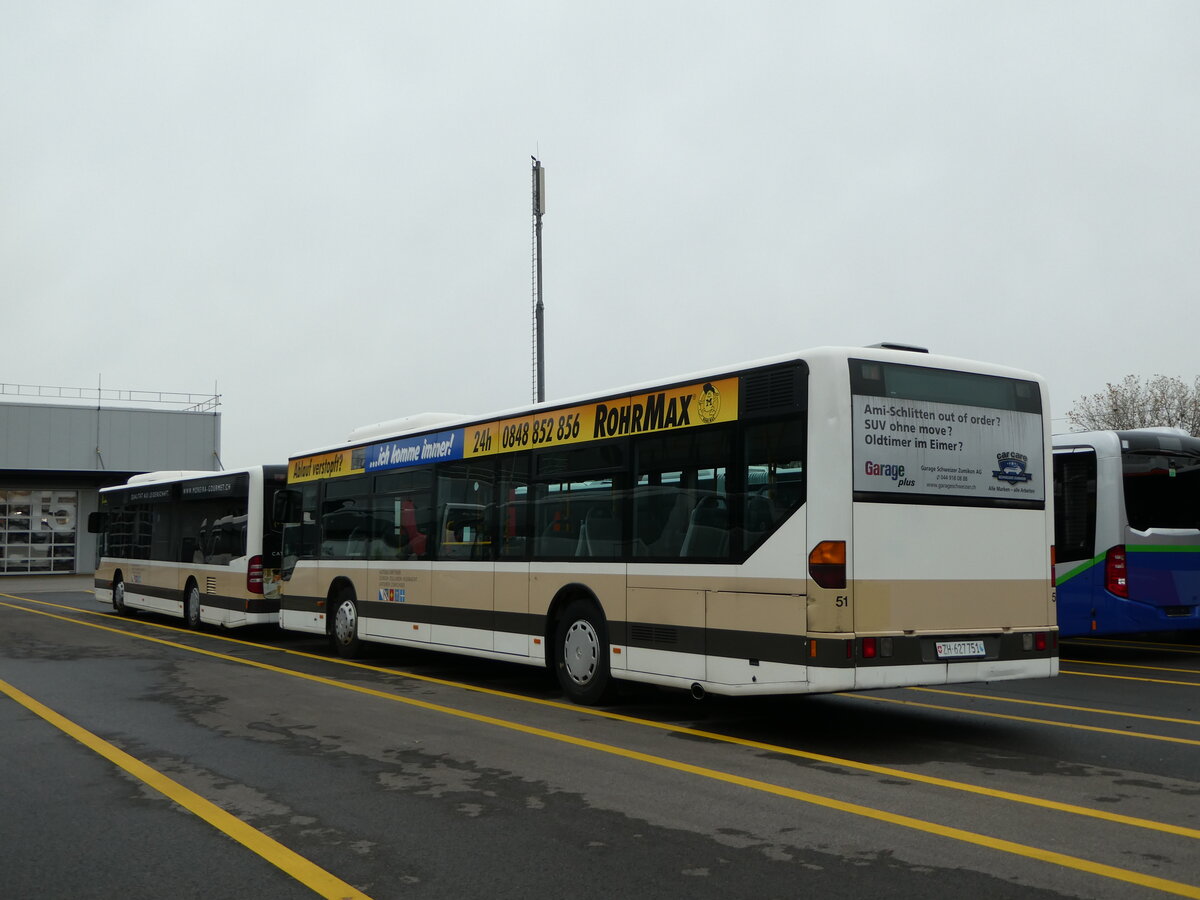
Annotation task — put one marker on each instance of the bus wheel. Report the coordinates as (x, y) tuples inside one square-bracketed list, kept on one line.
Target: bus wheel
[(119, 598), (191, 607), (344, 633), (581, 654)]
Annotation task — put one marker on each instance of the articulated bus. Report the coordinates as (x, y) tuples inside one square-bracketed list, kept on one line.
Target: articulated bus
[(831, 520), (198, 545), (1127, 531)]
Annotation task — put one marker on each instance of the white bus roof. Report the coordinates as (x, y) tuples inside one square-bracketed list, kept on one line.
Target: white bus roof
[(915, 356)]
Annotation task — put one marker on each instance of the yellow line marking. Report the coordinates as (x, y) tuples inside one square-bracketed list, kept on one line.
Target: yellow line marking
[(966, 787), (1113, 665), (1132, 645), (288, 861), (1130, 678), (1024, 850), (994, 715), (1084, 709)]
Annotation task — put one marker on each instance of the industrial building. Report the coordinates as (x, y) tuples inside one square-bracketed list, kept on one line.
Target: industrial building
[(55, 457)]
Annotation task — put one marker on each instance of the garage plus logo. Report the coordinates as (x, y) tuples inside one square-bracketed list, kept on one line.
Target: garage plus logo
[(888, 470)]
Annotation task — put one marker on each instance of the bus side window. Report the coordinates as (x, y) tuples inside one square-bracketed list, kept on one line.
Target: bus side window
[(680, 505), (404, 514), (774, 477), (513, 497), (464, 510)]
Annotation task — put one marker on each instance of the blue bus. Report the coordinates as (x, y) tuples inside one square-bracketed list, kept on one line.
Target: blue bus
[(1127, 531)]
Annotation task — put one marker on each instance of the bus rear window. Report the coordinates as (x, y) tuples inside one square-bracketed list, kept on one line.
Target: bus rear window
[(929, 435), (1162, 489), (876, 379)]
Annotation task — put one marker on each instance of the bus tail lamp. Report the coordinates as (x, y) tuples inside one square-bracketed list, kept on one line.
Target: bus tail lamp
[(827, 564), (1037, 640), (876, 647), (254, 575), (1115, 571)]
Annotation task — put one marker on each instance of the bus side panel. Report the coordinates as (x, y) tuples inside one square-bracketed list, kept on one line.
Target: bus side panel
[(303, 606), (395, 603), (516, 629), (155, 588), (756, 638), (102, 581), (463, 604), (1079, 591)]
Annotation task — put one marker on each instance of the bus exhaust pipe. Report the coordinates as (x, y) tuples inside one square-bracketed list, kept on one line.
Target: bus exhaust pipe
[(697, 691)]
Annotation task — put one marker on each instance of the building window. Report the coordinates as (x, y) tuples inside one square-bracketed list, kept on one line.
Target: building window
[(38, 530)]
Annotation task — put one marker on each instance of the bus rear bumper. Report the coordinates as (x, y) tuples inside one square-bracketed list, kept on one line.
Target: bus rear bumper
[(955, 673)]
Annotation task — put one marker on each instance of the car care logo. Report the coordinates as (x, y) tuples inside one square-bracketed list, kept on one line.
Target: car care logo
[(708, 407), (1012, 467)]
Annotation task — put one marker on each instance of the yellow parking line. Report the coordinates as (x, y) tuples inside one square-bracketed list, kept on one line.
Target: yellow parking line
[(1024, 850), (996, 715), (291, 863), (1130, 678), (1187, 649), (1113, 665), (855, 765), (1085, 709)]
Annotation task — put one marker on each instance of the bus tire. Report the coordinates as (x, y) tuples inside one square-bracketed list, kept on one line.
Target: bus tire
[(191, 606), (118, 598), (343, 630), (581, 654)]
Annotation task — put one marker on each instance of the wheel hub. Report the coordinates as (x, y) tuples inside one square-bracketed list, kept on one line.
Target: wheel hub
[(581, 651)]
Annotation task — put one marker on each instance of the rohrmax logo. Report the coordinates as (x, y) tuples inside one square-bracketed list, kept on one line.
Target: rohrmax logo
[(709, 405), (1012, 467)]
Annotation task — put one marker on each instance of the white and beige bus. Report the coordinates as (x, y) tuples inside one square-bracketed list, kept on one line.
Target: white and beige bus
[(832, 520), (198, 545)]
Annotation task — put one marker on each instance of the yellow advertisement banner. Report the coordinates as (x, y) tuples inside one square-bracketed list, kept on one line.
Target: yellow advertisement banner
[(704, 403), (325, 465)]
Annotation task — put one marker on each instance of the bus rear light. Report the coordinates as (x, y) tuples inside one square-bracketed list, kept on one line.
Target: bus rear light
[(849, 649), (827, 564), (869, 650), (1031, 641), (254, 575), (1115, 571)]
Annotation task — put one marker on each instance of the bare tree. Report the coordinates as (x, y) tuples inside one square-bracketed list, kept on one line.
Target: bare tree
[(1161, 400)]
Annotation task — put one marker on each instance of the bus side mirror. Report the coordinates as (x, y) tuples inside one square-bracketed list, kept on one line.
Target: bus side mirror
[(96, 522), (286, 508)]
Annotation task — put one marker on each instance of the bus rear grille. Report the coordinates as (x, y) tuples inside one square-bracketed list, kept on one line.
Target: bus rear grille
[(210, 585)]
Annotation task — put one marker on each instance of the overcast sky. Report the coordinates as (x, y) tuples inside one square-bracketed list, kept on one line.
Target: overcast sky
[(322, 210)]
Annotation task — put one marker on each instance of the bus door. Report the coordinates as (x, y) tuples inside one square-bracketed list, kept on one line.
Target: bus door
[(515, 631), (463, 579), (399, 542)]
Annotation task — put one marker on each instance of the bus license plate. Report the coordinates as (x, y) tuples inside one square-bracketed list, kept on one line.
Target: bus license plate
[(957, 649)]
